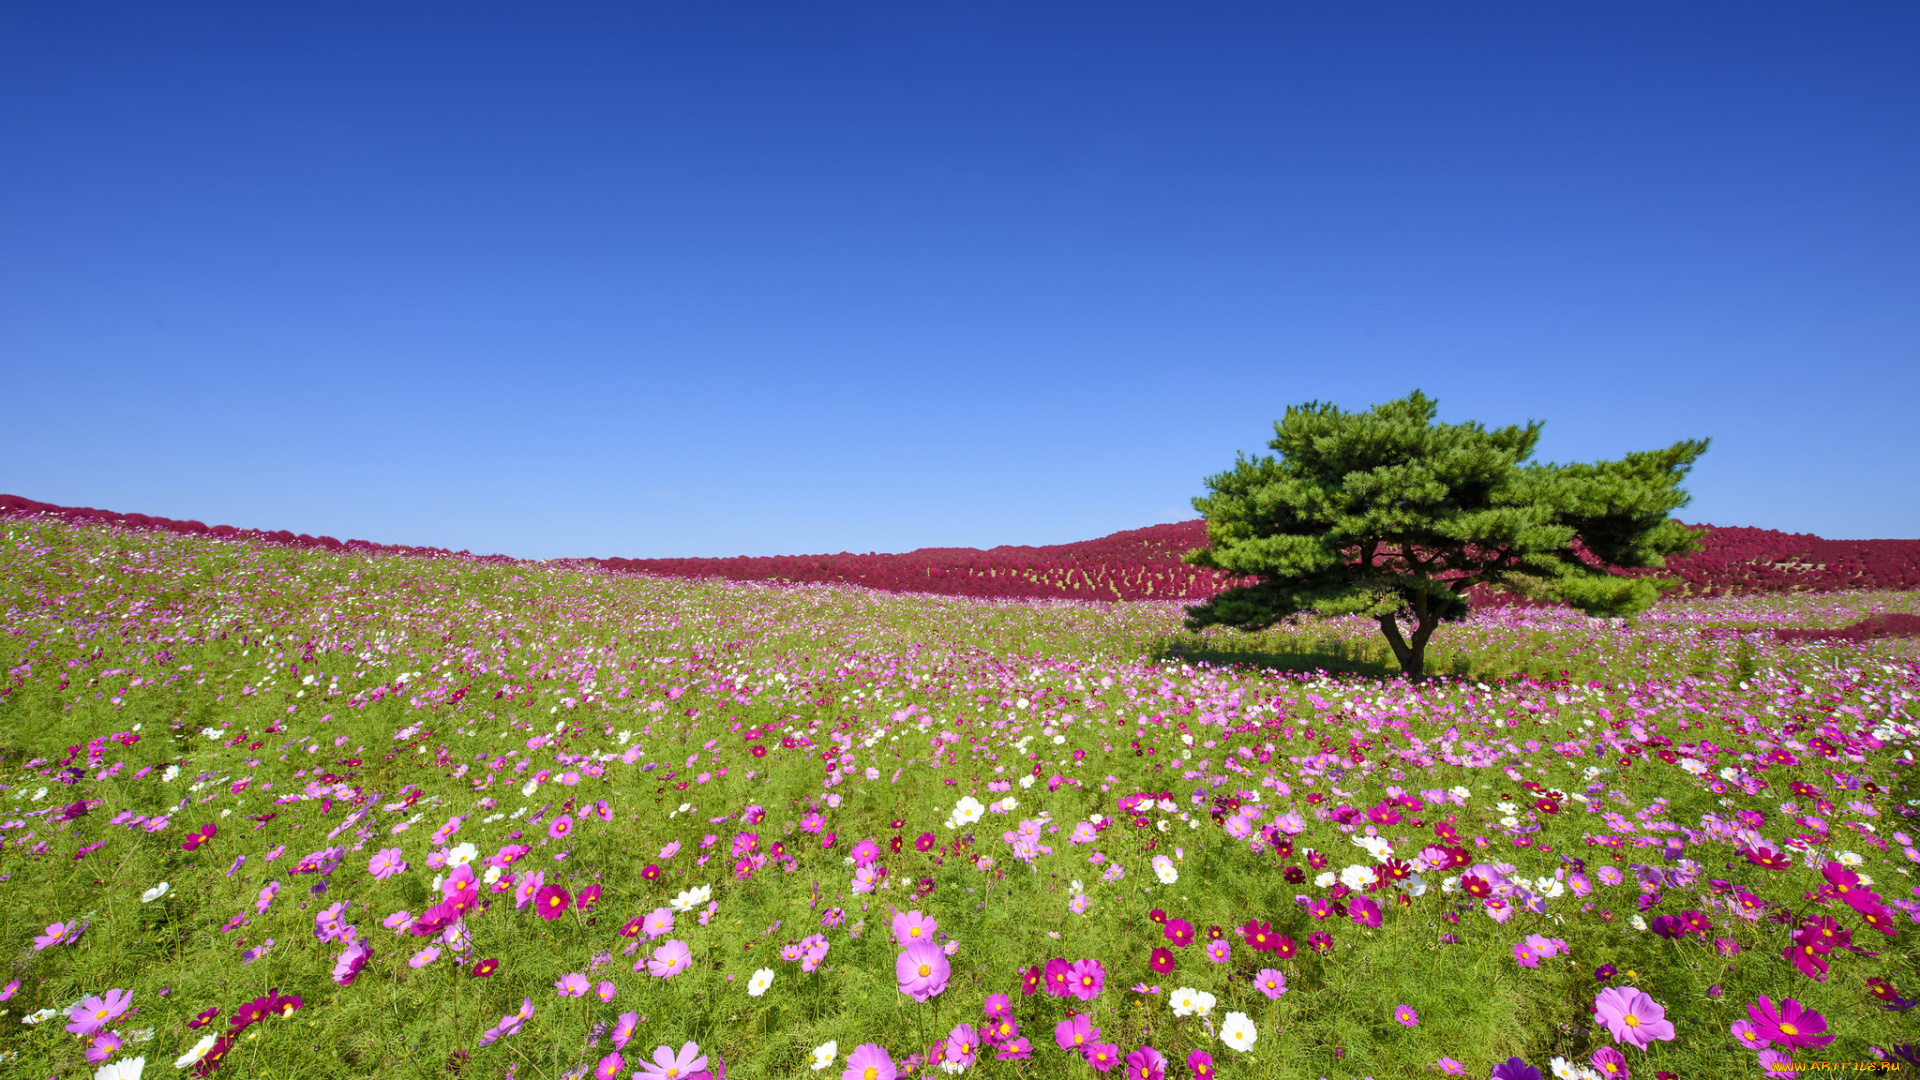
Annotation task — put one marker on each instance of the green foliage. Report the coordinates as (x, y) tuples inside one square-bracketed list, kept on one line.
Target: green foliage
[(1393, 515)]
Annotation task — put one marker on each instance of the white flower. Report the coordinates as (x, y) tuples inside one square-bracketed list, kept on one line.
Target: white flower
[(171, 772), (154, 893), (1506, 807), (1458, 792), (1357, 877), (1239, 1032), (824, 1054), (1184, 1001), (527, 789), (462, 854), (39, 1017), (967, 811), (1377, 846), (124, 1069), (193, 1056), (1415, 885), (1325, 879), (1564, 1069), (1026, 781), (1848, 858), (1693, 766), (1163, 868), (1203, 1003), (758, 984), (1510, 821), (492, 875), (1638, 923)]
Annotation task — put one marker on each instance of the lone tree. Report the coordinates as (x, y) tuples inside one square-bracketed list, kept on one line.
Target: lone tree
[(1389, 514)]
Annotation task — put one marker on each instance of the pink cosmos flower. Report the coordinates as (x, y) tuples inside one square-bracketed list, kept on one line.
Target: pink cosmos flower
[(1775, 1063), (347, 967), (93, 1013), (573, 985), (1790, 1023), (1201, 1063), (1103, 1056), (1178, 931), (9, 990), (869, 1061), (911, 926), (1076, 1033), (560, 827), (659, 921), (424, 957), (963, 1047), (1406, 1015), (1219, 951), (605, 992), (385, 863), (60, 933), (104, 1046), (922, 970), (998, 1007), (1525, 954), (1632, 1016), (670, 850), (667, 1065), (527, 888), (1270, 982), (624, 1028), (609, 1067), (669, 960), (265, 900), (1748, 1036), (1450, 1067)]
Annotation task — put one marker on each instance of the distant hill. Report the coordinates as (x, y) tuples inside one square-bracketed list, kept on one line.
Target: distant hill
[(1137, 564)]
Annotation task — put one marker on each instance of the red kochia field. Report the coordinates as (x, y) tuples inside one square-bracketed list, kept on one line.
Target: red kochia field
[(1138, 564), (281, 806)]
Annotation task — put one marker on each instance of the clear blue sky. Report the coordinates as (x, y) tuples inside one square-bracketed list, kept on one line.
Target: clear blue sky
[(713, 279)]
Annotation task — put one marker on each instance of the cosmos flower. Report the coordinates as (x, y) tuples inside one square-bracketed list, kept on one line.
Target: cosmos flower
[(1406, 1015), (869, 1061), (1238, 1032), (922, 970), (669, 960), (1632, 1016), (1076, 1033), (1789, 1023), (758, 983), (667, 1065), (93, 1013)]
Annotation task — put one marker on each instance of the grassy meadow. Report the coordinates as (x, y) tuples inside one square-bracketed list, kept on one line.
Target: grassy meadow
[(280, 813)]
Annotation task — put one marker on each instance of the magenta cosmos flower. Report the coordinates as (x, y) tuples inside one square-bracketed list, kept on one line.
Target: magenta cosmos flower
[(1632, 1016), (1179, 931), (560, 827), (670, 959), (1790, 1023), (923, 970), (963, 1047), (1161, 961), (609, 1067), (552, 902), (1610, 1063), (1146, 1063), (1086, 979), (667, 1065), (869, 1061), (93, 1013), (1406, 1015), (1201, 1063)]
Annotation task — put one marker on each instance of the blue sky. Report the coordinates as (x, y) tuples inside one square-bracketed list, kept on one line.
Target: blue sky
[(715, 279)]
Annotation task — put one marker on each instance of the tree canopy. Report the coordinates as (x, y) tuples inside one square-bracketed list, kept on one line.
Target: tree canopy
[(1390, 514)]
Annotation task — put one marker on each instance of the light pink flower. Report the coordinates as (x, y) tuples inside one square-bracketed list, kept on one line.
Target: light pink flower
[(669, 960)]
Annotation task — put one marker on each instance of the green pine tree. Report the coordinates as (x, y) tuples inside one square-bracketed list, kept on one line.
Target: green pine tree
[(1390, 514)]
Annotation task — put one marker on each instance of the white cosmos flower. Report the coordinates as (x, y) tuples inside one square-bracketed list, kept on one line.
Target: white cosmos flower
[(1848, 858), (758, 984), (39, 1017), (1638, 923), (124, 1069), (1238, 1032), (1325, 879), (1377, 846), (1415, 885), (1203, 1003), (462, 854), (154, 893), (1458, 792), (1026, 781), (1163, 867), (193, 1056), (1357, 877), (171, 772), (824, 1054), (1184, 1001)]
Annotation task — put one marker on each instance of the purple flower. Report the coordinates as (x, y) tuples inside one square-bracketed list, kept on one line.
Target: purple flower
[(1790, 1023), (1632, 1016), (1146, 1063), (1407, 1016), (1512, 1069)]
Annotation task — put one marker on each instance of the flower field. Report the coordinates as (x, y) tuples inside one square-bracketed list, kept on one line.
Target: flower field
[(271, 809)]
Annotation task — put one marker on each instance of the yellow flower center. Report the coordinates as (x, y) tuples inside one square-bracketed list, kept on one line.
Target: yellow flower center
[(925, 970), (1086, 980), (872, 1073), (915, 932), (1077, 1037), (965, 1046), (673, 1071), (1789, 1029), (1631, 1020)]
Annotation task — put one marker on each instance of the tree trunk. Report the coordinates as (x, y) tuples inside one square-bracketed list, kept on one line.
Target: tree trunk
[(1411, 654)]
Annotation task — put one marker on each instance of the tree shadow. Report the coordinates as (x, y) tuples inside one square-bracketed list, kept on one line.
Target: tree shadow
[(1329, 655)]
